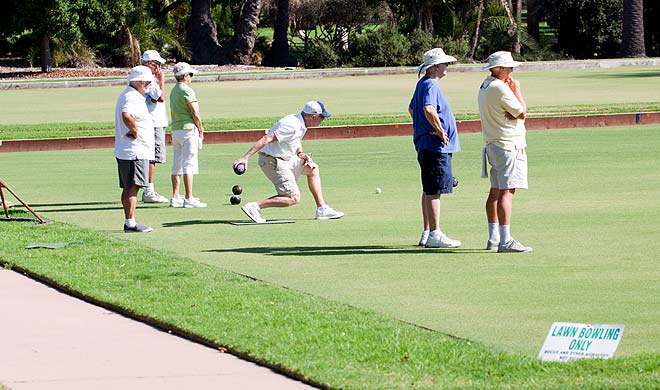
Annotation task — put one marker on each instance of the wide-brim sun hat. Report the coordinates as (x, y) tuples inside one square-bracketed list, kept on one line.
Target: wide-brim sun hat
[(183, 68), (500, 58), (315, 107), (434, 57), (140, 73), (152, 55)]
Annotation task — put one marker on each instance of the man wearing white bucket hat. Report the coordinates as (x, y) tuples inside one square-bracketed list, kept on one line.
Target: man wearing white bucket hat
[(155, 96), (187, 136), (502, 110), (435, 136), (134, 143)]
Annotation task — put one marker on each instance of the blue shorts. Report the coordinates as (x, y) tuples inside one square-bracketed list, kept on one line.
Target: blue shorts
[(437, 176)]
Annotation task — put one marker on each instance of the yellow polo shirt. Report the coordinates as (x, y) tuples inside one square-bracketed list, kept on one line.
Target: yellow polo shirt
[(495, 100)]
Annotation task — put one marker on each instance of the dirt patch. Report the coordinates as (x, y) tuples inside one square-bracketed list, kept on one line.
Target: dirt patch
[(16, 70)]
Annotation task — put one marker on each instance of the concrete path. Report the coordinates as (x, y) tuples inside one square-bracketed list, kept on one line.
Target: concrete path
[(49, 340)]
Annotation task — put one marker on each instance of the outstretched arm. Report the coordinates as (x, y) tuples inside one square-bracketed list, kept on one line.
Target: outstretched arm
[(263, 141)]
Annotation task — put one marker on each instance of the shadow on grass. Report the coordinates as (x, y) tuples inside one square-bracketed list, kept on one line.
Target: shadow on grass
[(68, 207), (201, 222), (630, 75), (343, 250)]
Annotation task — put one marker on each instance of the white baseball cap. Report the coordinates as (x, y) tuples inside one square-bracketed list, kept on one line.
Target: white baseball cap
[(140, 73), (434, 57), (315, 107), (182, 68), (500, 58), (152, 55)]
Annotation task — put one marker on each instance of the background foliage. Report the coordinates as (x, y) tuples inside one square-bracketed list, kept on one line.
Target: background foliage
[(322, 33)]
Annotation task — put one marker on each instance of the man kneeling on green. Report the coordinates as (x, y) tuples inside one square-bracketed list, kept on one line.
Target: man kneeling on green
[(282, 160)]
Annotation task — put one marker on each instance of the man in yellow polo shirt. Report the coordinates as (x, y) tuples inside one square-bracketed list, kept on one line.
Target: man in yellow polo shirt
[(502, 110)]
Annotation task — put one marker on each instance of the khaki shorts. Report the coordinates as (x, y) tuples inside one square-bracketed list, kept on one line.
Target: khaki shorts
[(508, 168), (282, 173)]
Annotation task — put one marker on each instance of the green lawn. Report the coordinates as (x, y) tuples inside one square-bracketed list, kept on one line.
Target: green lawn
[(547, 91), (591, 221)]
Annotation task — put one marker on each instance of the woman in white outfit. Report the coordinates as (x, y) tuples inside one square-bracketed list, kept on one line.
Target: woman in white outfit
[(187, 136)]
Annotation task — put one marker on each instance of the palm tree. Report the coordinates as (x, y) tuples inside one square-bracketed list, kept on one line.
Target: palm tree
[(239, 50), (632, 44), (203, 34), (279, 52)]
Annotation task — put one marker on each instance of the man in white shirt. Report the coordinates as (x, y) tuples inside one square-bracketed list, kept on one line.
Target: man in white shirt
[(155, 99), (502, 110), (282, 160), (134, 143)]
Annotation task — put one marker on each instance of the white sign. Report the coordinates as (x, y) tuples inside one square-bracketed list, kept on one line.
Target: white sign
[(568, 341)]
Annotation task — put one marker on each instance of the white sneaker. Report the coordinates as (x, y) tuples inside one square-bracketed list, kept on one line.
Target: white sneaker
[(327, 212), (424, 238), (492, 245), (176, 202), (252, 210), (193, 203), (441, 241), (153, 197), (513, 246)]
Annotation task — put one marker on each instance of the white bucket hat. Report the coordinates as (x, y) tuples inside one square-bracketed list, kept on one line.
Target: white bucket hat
[(182, 68), (152, 55), (434, 57), (500, 58), (140, 73), (315, 107)]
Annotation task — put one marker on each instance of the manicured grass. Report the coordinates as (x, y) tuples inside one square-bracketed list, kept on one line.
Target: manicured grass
[(346, 96), (321, 341), (594, 241)]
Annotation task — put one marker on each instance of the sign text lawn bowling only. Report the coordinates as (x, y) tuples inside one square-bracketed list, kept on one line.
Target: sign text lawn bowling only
[(570, 341)]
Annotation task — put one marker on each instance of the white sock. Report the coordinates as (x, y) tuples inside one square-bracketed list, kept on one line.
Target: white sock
[(505, 234), (148, 190), (130, 222), (493, 232)]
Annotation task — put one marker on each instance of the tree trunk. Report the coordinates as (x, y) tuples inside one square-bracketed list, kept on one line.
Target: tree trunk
[(632, 44), (533, 19), (132, 56), (242, 44), (466, 13), (46, 60), (425, 17), (477, 31), (203, 34), (279, 52), (516, 41)]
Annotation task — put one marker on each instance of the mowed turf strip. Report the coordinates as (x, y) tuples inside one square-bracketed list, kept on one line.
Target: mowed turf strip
[(590, 214), (550, 90)]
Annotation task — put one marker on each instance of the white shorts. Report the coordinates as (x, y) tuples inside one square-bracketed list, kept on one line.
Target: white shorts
[(508, 168), (186, 145)]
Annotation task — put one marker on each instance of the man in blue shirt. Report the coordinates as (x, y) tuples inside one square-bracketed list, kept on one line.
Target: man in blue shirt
[(436, 139)]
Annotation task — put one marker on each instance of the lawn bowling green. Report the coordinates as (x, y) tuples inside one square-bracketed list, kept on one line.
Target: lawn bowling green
[(595, 246)]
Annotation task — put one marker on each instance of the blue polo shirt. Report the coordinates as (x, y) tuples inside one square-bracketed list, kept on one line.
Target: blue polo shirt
[(426, 93)]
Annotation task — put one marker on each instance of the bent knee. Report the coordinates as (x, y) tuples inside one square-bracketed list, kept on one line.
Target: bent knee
[(294, 199)]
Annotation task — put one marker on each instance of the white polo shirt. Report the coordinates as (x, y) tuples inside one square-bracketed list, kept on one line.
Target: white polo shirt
[(157, 109), (495, 100), (141, 148), (289, 132)]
